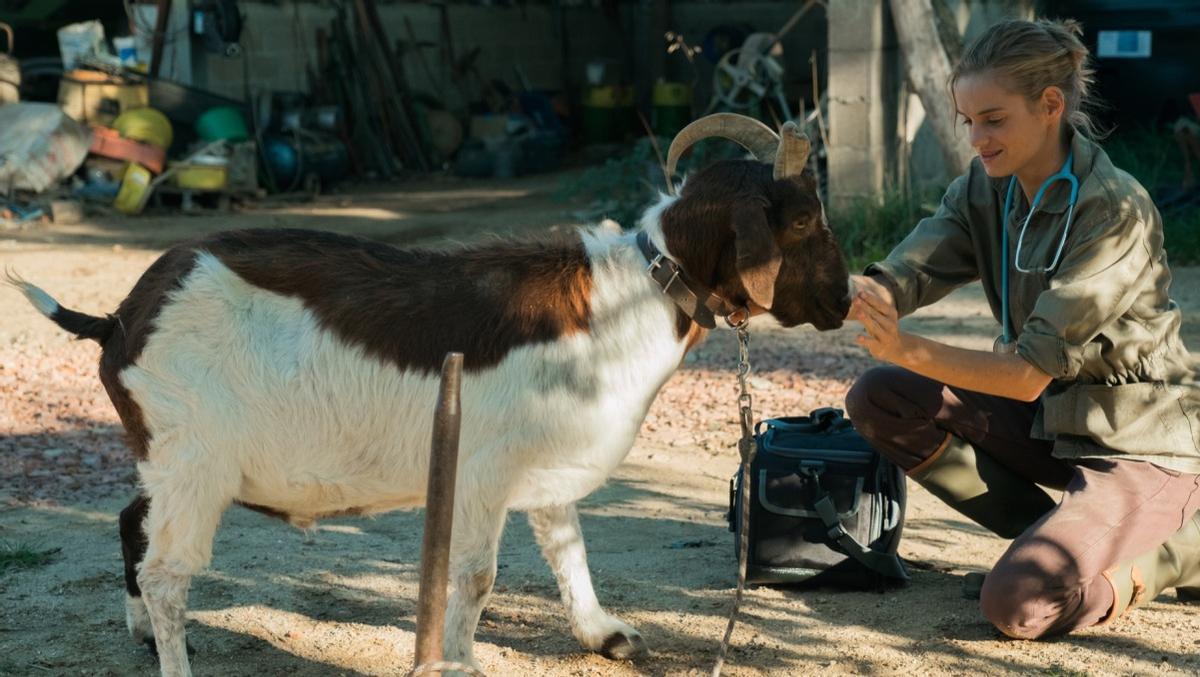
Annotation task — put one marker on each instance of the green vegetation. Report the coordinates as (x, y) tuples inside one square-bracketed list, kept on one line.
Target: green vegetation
[(23, 556), (1154, 159), (622, 187), (1057, 670), (868, 228)]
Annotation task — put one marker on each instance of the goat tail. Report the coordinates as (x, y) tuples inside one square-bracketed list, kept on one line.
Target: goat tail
[(82, 326)]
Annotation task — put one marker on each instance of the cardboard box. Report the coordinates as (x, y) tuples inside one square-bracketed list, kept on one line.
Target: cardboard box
[(98, 98)]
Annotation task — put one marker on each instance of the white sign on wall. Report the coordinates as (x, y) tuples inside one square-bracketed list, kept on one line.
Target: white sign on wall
[(1123, 44)]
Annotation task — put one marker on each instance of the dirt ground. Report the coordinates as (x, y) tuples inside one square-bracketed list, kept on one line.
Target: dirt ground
[(340, 600)]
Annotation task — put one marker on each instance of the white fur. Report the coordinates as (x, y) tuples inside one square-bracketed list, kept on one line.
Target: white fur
[(137, 620), (41, 300), (247, 398)]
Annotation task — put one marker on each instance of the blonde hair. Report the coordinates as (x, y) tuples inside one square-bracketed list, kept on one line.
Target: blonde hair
[(1030, 56)]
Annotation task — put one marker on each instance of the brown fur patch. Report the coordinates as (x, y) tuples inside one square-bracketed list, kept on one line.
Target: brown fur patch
[(303, 522), (136, 322), (133, 541), (694, 336), (411, 307), (406, 307)]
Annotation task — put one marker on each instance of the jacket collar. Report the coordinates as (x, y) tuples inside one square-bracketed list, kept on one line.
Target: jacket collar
[(1057, 198)]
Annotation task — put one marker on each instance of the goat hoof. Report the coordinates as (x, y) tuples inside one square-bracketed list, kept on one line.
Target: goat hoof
[(622, 646), (149, 642)]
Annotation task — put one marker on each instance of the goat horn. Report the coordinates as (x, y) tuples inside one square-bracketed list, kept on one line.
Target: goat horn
[(793, 151), (747, 132)]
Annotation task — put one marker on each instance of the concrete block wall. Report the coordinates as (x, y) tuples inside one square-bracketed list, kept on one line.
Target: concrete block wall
[(864, 72)]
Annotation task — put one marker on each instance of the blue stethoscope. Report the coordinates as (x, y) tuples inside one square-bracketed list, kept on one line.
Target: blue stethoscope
[(1005, 342)]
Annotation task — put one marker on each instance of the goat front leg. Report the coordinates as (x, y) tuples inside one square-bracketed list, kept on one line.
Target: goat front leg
[(475, 541), (557, 531)]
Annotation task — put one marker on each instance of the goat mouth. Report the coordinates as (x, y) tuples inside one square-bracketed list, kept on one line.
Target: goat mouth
[(831, 322), (832, 314)]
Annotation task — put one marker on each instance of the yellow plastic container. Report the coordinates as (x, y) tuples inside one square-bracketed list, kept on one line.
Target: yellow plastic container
[(672, 94), (135, 189), (607, 113), (672, 107), (145, 124), (194, 176)]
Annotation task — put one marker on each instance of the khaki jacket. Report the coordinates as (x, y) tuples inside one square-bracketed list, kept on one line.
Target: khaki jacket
[(1101, 324)]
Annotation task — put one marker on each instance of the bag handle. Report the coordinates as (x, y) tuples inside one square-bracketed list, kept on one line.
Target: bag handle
[(886, 564), (820, 420), (7, 30)]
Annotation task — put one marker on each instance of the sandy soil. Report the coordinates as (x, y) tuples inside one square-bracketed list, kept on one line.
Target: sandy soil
[(340, 599)]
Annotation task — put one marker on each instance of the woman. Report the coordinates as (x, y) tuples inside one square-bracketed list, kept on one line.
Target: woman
[(1089, 390)]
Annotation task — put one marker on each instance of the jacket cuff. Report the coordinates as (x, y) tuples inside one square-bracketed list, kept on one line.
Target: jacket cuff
[(902, 293), (1050, 353)]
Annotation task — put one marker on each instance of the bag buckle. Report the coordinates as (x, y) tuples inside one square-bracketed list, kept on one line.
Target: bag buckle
[(812, 469)]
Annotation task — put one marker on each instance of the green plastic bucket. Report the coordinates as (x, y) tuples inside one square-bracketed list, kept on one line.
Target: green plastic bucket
[(222, 122)]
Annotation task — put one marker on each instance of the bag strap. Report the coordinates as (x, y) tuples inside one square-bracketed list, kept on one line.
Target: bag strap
[(886, 564)]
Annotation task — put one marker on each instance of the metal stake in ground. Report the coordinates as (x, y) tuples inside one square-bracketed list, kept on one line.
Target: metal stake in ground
[(439, 520)]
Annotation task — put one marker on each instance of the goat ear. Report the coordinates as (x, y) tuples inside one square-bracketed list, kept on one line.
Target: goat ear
[(758, 257)]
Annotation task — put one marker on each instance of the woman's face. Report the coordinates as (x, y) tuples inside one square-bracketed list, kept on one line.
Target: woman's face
[(1008, 131)]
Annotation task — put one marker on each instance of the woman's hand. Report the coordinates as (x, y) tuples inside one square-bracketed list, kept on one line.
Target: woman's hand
[(873, 306)]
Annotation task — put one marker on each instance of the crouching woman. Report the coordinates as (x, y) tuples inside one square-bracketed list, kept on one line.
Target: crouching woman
[(1089, 389)]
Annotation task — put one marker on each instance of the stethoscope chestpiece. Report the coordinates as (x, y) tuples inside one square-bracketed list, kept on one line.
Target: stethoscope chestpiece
[(1004, 346)]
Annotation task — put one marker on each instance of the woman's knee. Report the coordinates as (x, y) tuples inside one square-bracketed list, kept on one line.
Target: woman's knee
[(883, 401), (864, 401), (1028, 602), (1007, 604)]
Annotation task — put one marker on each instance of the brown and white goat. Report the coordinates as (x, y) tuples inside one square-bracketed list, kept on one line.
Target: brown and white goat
[(294, 372)]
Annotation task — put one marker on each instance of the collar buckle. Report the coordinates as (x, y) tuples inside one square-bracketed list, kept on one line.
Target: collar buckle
[(738, 318)]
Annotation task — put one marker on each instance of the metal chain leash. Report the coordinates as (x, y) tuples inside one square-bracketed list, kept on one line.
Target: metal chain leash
[(746, 451)]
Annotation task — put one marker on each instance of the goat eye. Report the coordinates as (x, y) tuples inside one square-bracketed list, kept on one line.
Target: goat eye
[(799, 225)]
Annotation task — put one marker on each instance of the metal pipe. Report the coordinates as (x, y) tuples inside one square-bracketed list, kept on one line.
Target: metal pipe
[(439, 514)]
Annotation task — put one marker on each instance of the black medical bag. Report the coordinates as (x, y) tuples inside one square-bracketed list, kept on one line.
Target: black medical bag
[(825, 508)]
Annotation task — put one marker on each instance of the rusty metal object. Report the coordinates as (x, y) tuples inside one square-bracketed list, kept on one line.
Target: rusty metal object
[(439, 514)]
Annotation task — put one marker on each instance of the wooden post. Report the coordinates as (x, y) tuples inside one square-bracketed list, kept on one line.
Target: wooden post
[(162, 19), (439, 514)]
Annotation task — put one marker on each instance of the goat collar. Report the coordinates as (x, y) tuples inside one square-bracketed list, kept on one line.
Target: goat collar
[(697, 301)]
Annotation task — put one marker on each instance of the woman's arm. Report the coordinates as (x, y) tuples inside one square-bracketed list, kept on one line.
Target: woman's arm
[(1005, 375)]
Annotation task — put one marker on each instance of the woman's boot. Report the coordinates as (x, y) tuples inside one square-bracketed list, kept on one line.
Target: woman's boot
[(982, 489)]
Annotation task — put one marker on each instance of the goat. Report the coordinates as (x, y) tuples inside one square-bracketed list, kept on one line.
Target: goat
[(294, 372)]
